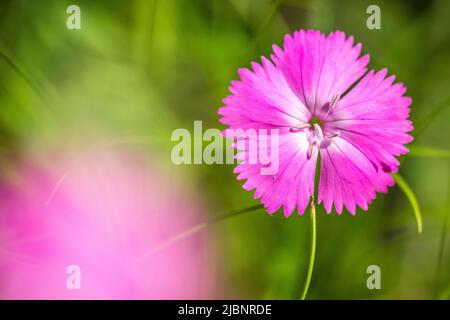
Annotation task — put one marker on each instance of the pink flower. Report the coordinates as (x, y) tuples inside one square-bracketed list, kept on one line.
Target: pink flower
[(317, 93), (114, 207)]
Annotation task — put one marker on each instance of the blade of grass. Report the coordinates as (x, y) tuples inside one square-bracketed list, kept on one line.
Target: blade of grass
[(427, 152), (15, 65), (428, 119), (411, 198), (441, 254), (441, 251), (196, 229), (144, 24)]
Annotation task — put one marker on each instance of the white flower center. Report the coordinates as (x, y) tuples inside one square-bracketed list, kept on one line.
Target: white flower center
[(316, 136)]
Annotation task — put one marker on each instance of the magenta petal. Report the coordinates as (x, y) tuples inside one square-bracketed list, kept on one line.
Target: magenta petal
[(262, 99), (319, 66), (374, 118), (293, 185), (348, 178)]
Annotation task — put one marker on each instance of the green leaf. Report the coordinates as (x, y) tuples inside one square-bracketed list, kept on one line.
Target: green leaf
[(411, 197)]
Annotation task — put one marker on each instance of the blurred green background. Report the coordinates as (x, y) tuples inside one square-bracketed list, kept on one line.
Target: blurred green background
[(139, 69)]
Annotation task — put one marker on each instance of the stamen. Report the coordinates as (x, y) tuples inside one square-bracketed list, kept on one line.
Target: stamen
[(300, 127), (334, 100), (318, 131), (334, 135), (311, 149)]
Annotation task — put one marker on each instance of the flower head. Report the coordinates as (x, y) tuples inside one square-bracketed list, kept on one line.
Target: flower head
[(317, 93)]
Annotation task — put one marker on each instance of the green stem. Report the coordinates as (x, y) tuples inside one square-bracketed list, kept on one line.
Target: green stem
[(313, 250)]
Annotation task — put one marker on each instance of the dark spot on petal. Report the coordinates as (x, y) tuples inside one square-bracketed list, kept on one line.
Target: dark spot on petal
[(386, 168)]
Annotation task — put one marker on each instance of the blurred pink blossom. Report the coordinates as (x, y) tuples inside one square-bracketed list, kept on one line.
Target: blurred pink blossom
[(105, 216)]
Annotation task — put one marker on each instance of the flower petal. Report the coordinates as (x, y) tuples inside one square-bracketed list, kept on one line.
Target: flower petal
[(374, 118), (293, 184), (262, 99), (348, 178), (318, 67)]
